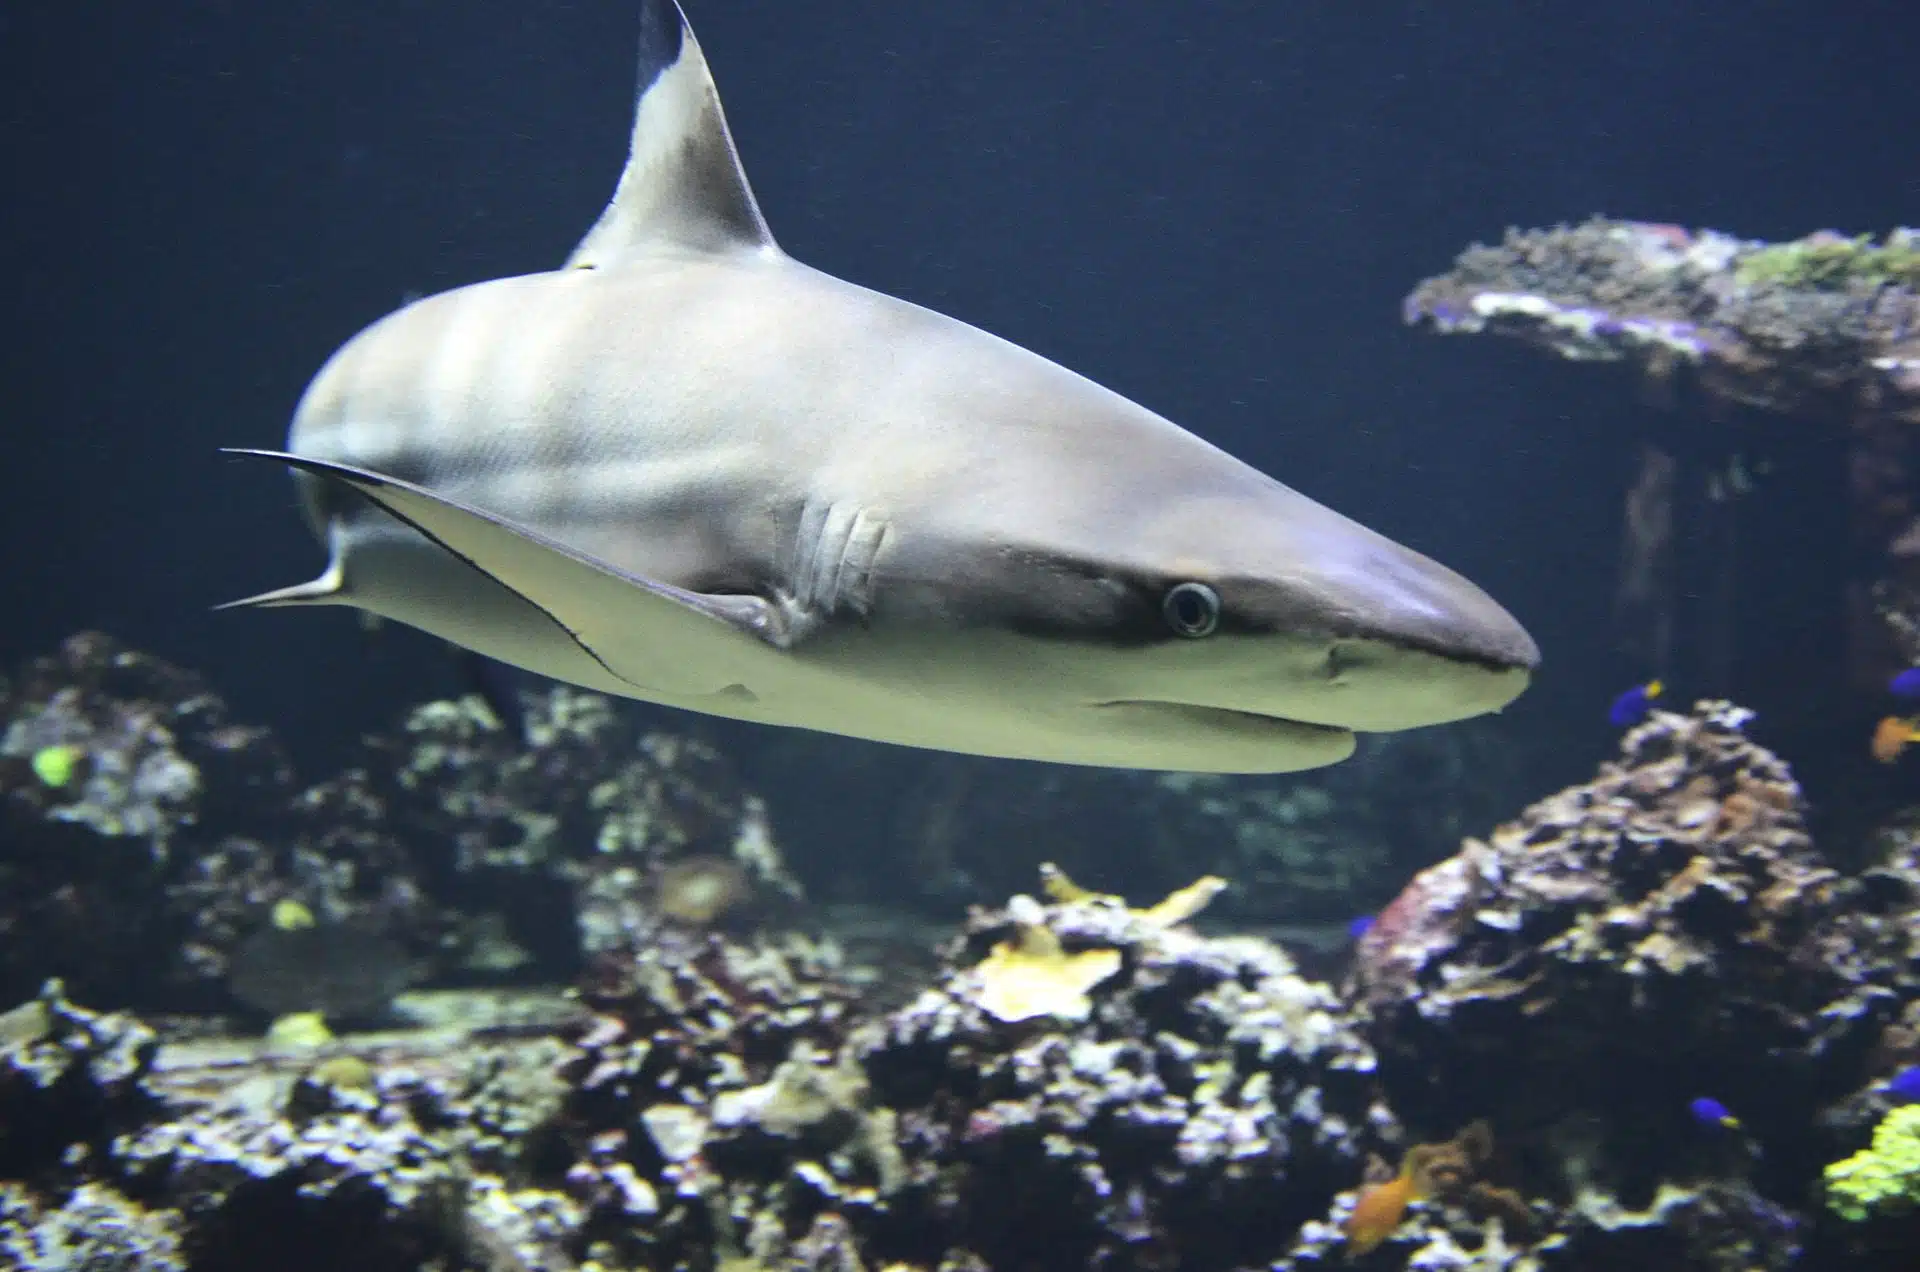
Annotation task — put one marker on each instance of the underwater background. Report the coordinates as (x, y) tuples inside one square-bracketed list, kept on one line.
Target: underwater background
[(352, 971)]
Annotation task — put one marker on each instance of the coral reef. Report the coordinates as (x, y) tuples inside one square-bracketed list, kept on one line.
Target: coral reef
[(1821, 326), (1205, 1104), (708, 1093), (387, 1163), (140, 1157), (1621, 947), (725, 1099), (69, 1079), (1826, 328), (92, 1229), (150, 844), (150, 774), (1071, 1080), (576, 821), (144, 749), (724, 1104)]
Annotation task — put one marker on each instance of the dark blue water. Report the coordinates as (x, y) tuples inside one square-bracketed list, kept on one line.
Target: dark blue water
[(1215, 209)]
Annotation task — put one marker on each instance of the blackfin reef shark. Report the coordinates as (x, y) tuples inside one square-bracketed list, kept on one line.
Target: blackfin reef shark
[(689, 469)]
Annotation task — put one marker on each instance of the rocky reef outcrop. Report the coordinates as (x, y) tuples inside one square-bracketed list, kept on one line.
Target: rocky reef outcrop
[(153, 849), (1645, 1022), (1663, 935), (118, 772), (1821, 325)]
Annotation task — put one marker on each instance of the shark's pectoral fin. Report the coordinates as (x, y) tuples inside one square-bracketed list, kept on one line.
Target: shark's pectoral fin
[(683, 189), (328, 589), (646, 633)]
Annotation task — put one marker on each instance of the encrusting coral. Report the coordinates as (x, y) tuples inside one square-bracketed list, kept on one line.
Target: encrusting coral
[(1031, 975), (1883, 1179), (1824, 325)]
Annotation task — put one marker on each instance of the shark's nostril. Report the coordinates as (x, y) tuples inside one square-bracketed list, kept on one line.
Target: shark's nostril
[(1343, 658)]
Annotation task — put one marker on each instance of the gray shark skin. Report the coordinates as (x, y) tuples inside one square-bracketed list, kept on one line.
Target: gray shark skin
[(689, 469)]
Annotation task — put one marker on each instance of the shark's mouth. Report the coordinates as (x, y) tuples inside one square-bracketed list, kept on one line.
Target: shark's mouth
[(1226, 722)]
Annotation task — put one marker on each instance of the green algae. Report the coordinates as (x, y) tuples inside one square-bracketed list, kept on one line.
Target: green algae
[(1829, 262)]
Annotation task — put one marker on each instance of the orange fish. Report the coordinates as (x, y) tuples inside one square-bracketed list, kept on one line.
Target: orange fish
[(1379, 1211), (1892, 737)]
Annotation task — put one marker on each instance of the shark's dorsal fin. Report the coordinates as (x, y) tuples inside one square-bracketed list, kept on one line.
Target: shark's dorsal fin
[(683, 189)]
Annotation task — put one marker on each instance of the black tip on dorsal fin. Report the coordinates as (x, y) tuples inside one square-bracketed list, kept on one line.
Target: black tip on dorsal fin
[(682, 189), (662, 25)]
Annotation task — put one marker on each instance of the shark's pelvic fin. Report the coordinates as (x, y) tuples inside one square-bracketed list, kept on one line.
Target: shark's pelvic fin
[(328, 589), (683, 189), (637, 629)]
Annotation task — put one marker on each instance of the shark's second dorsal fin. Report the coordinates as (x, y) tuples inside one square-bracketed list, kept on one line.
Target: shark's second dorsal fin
[(683, 189)]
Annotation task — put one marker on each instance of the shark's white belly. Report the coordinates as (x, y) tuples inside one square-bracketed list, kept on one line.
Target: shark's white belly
[(926, 692)]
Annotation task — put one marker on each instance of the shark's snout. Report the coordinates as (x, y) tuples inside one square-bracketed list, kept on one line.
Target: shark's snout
[(1410, 600), (1402, 641), (1346, 580)]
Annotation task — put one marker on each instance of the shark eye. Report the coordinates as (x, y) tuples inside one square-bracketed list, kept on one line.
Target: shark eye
[(1191, 609)]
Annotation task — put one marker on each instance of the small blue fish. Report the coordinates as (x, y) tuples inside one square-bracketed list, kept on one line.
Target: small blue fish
[(1631, 707), (1359, 927), (1905, 1085), (1710, 1112), (1906, 684)]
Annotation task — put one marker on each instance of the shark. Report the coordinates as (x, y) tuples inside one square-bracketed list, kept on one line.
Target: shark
[(689, 469)]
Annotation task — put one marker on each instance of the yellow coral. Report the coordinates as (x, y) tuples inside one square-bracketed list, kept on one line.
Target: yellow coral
[(1034, 976), (291, 916), (1179, 905), (56, 766), (1059, 888), (1183, 904), (299, 1031), (1883, 1179)]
